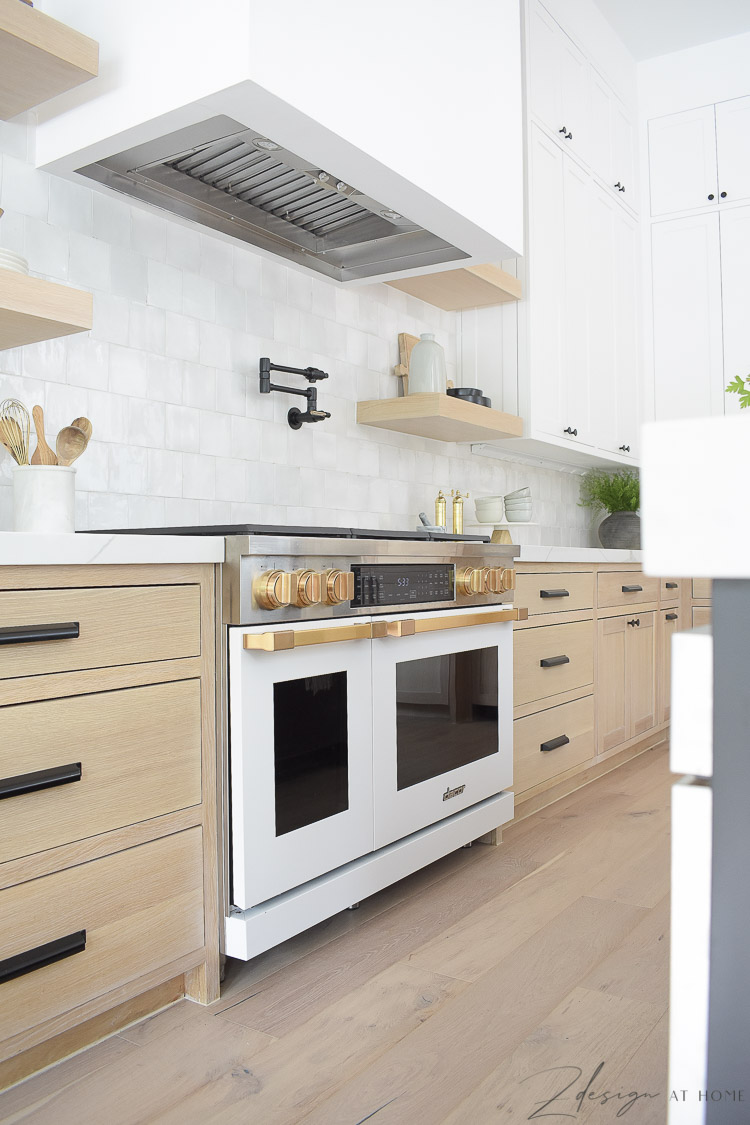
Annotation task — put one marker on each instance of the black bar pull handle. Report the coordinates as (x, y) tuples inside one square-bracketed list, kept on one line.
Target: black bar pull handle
[(554, 743), (671, 585), (47, 954), (23, 634), (553, 661), (632, 589), (554, 593), (39, 779), (671, 617)]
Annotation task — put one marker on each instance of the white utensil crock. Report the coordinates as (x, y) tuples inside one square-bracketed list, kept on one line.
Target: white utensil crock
[(44, 498), (427, 372)]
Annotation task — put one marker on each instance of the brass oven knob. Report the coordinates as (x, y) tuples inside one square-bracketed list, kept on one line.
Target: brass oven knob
[(309, 588), (338, 586), (275, 588), (501, 579), (472, 580)]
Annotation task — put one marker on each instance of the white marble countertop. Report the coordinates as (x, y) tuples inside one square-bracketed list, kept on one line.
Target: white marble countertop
[(18, 548), (695, 509), (539, 554)]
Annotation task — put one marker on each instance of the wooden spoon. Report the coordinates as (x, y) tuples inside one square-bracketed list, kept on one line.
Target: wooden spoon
[(71, 443), (84, 426), (43, 455)]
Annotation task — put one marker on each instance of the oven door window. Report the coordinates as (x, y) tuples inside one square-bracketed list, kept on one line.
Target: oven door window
[(446, 713), (311, 751)]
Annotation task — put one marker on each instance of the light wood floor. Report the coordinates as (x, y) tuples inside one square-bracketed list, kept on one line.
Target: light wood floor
[(438, 1001)]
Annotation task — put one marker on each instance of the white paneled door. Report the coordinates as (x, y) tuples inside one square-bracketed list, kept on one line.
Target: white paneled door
[(576, 391), (733, 149), (687, 309), (682, 161), (735, 288)]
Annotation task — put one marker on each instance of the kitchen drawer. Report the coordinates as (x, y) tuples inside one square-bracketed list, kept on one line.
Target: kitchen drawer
[(140, 909), (117, 625), (626, 588), (536, 758), (701, 615), (553, 593), (138, 753), (534, 680), (702, 588), (669, 590)]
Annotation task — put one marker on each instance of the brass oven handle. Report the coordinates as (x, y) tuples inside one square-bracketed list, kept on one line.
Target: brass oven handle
[(298, 638), (437, 624)]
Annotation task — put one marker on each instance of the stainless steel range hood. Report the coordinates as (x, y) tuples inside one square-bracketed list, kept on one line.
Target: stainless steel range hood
[(222, 175)]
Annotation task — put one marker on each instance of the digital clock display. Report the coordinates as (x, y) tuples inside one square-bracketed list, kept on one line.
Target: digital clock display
[(394, 584)]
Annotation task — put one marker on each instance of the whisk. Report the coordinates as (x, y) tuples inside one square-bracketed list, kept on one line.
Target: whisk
[(15, 428)]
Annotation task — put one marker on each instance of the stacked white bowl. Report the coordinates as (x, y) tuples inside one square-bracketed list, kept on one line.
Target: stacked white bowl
[(489, 509), (518, 506), (14, 262)]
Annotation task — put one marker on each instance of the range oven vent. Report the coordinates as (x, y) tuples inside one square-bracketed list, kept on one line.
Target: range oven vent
[(223, 175)]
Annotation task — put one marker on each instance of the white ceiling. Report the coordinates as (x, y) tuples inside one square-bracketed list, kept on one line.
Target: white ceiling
[(658, 27)]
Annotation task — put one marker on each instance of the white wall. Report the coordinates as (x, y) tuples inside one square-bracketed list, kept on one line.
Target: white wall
[(713, 72), (168, 376)]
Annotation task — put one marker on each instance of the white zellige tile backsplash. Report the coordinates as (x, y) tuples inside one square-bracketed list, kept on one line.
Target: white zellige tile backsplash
[(169, 377)]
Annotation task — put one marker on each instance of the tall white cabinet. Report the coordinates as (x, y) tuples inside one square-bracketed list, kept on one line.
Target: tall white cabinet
[(699, 179), (578, 328)]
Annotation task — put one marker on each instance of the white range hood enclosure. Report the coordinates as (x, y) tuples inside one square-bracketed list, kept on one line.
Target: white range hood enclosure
[(415, 104)]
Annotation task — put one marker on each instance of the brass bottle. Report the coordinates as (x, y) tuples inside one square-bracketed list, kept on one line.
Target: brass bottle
[(440, 510), (458, 511)]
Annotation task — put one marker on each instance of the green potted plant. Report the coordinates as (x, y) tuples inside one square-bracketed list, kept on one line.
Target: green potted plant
[(741, 387), (618, 493)]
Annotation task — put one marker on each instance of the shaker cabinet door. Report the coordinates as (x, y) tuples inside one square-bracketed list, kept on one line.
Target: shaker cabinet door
[(682, 161), (735, 291), (613, 704), (546, 273), (687, 303), (733, 148), (641, 643)]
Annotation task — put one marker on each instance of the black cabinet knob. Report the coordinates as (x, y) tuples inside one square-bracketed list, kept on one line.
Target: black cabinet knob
[(568, 136), (563, 130), (635, 621), (619, 186), (568, 430), (711, 196), (722, 194), (625, 448)]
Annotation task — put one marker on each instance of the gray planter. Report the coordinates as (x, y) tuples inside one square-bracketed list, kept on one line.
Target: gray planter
[(621, 530)]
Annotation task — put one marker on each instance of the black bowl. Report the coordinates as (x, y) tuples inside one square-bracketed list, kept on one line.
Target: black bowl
[(465, 392)]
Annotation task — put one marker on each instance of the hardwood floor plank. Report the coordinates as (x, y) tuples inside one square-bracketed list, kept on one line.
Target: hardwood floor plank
[(150, 1079), (639, 968), (291, 996), (47, 1084), (242, 977), (646, 1071), (584, 1031), (440, 1063), (299, 1071)]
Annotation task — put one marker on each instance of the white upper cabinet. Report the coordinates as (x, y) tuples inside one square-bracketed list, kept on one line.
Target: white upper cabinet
[(682, 161), (629, 395), (733, 149), (576, 373), (577, 106), (544, 309), (700, 158), (735, 288), (688, 368)]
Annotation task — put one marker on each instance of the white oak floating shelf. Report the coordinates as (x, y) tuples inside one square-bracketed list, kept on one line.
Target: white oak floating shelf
[(439, 416), (472, 287), (39, 58), (32, 309)]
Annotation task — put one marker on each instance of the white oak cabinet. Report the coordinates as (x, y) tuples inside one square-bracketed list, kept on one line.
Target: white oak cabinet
[(701, 293), (591, 668), (700, 158)]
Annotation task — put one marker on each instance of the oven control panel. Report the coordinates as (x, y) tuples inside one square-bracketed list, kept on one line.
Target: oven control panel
[(402, 584)]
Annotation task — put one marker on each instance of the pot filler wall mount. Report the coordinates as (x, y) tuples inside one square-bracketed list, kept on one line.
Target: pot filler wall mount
[(295, 417), (220, 174)]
